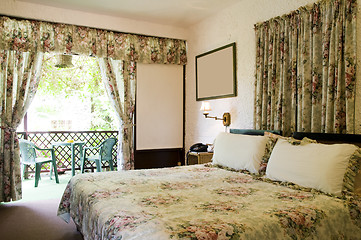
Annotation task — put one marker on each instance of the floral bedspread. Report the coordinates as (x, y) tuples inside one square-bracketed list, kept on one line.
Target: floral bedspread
[(200, 202)]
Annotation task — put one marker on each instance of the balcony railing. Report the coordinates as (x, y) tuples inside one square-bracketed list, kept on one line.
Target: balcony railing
[(63, 153)]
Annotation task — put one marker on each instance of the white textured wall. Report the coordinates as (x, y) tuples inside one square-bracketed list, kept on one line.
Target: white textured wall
[(40, 12), (234, 24)]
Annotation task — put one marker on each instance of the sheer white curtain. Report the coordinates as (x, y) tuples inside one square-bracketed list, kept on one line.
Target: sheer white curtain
[(120, 84)]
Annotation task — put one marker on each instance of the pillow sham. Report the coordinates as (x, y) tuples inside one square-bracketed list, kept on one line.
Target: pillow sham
[(352, 178), (239, 151), (271, 142), (312, 165), (357, 184)]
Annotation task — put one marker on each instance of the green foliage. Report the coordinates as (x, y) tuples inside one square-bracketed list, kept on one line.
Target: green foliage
[(82, 81)]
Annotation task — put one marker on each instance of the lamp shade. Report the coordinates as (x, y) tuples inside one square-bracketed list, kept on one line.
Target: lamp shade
[(205, 106), (64, 61)]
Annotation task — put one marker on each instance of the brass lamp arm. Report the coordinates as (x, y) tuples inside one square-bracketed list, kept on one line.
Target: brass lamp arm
[(226, 118), (215, 118)]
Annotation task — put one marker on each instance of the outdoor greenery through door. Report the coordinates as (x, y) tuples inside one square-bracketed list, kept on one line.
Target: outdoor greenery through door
[(71, 99)]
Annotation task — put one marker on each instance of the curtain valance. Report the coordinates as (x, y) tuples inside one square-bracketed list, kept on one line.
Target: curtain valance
[(39, 36)]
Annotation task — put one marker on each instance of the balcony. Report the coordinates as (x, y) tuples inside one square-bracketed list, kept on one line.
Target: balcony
[(44, 139)]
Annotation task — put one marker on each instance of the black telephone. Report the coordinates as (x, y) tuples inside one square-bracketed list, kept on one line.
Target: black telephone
[(198, 147)]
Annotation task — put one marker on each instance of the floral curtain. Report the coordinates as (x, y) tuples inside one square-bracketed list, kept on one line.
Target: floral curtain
[(19, 79), (30, 35), (275, 99), (120, 84), (22, 44), (306, 69)]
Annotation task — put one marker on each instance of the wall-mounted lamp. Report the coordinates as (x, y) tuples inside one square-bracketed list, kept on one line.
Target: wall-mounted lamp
[(206, 107)]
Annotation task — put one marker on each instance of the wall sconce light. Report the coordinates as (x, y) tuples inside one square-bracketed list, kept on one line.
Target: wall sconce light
[(206, 107)]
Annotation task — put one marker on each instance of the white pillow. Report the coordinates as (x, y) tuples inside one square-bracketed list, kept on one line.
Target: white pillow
[(313, 165), (239, 151)]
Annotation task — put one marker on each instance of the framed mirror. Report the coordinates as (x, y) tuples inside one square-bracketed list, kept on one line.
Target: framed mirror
[(216, 73)]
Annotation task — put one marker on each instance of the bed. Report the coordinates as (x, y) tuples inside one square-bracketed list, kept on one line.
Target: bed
[(205, 202)]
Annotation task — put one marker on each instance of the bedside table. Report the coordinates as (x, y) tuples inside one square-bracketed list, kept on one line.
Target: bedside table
[(199, 157)]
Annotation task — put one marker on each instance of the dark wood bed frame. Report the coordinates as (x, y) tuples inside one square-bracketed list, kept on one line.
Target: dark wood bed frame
[(330, 138), (327, 138)]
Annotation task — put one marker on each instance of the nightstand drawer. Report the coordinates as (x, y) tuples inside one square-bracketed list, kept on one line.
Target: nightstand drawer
[(199, 157)]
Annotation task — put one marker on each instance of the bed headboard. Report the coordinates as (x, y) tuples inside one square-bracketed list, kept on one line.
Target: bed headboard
[(330, 138), (253, 131)]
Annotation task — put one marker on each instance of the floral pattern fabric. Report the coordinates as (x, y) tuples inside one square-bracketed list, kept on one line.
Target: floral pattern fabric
[(31, 35), (203, 202), (22, 45), (306, 69), (19, 79), (352, 170), (120, 84)]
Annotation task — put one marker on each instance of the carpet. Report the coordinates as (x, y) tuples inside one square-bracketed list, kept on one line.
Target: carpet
[(36, 220)]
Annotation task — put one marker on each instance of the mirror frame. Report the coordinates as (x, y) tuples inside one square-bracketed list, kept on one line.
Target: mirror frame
[(203, 81)]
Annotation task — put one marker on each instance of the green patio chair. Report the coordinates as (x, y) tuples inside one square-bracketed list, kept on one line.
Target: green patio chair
[(28, 157), (104, 154)]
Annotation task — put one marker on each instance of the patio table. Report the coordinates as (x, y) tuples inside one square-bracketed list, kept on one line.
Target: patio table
[(72, 145)]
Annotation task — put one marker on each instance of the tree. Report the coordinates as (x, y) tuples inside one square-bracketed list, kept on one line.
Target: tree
[(82, 81)]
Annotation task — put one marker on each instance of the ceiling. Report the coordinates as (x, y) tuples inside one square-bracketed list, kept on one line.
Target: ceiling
[(180, 13)]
